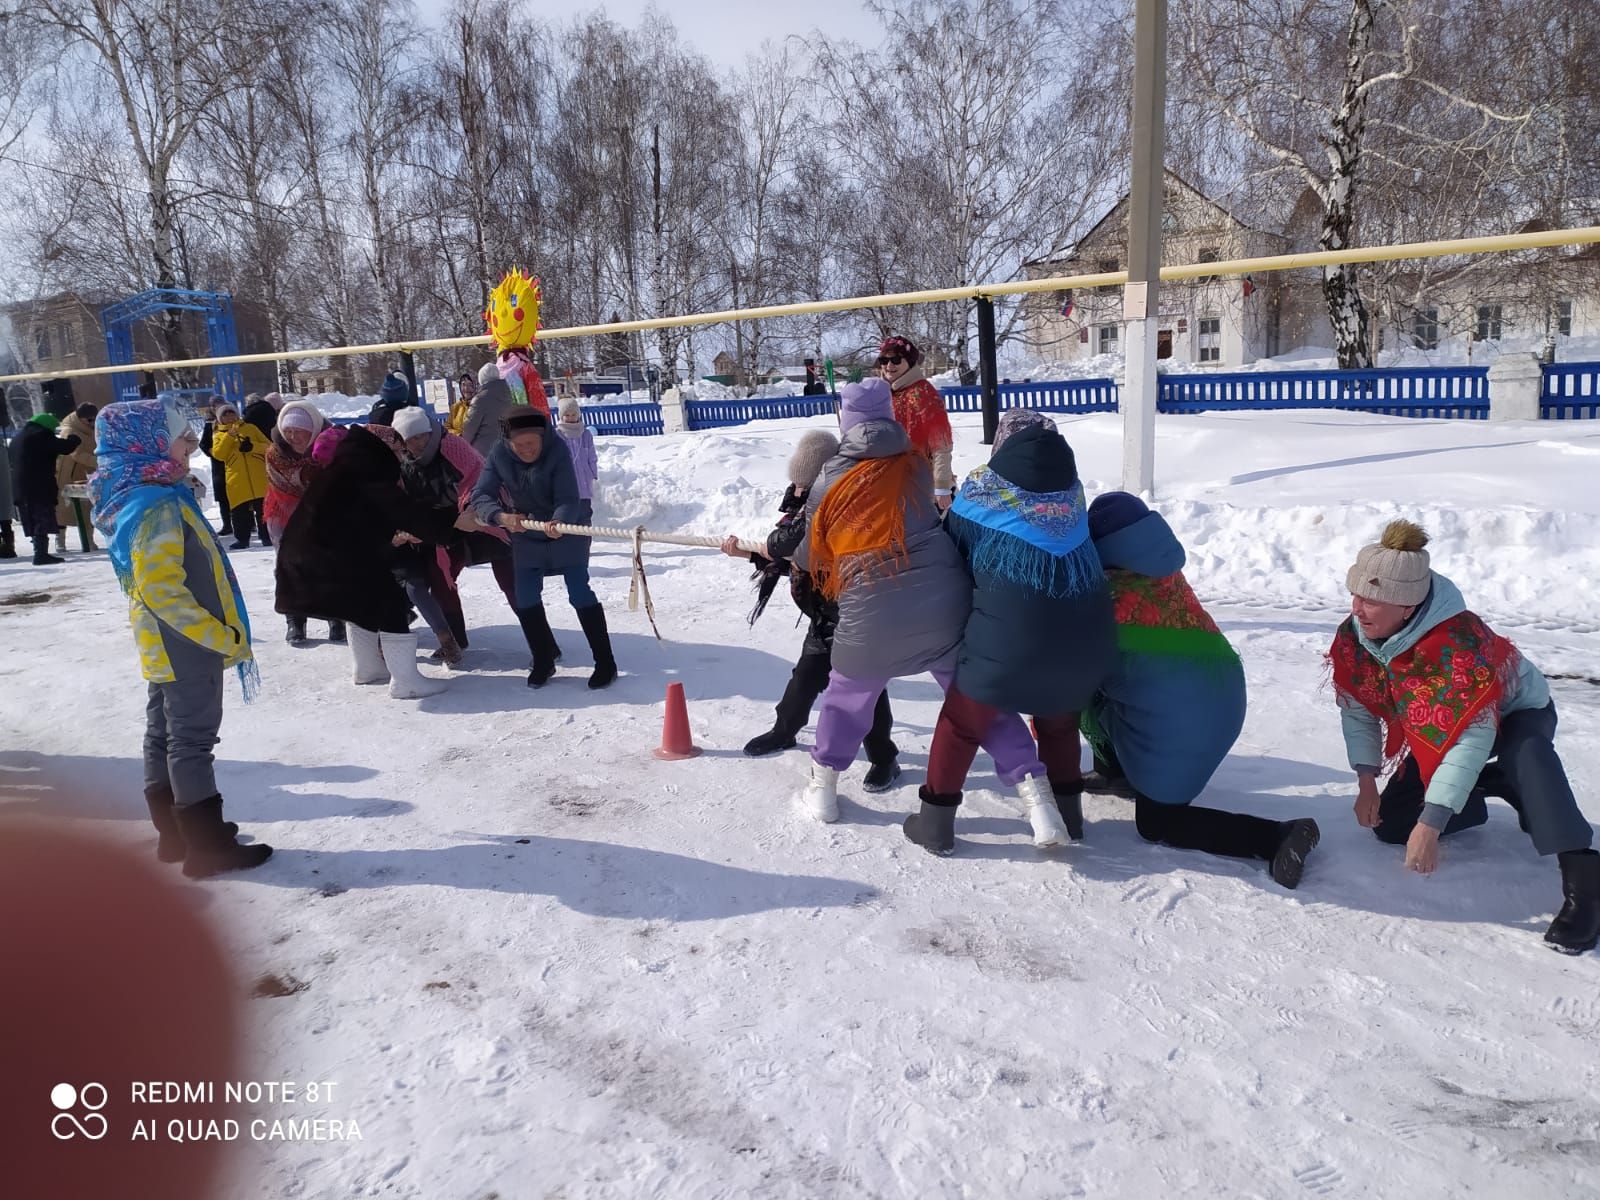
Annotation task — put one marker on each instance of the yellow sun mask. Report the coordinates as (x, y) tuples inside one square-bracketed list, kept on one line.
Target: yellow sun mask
[(512, 317)]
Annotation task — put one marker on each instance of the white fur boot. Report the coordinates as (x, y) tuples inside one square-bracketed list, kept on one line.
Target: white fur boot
[(368, 653), (821, 797), (400, 652), (1048, 827)]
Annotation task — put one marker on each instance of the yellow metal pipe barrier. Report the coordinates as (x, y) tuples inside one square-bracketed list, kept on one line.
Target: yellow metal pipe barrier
[(1239, 266)]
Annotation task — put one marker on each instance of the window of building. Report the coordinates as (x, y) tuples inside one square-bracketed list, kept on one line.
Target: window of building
[(1489, 322), (1209, 254), (1425, 328), (1210, 339), (1564, 318), (67, 340), (1108, 339), (41, 344)]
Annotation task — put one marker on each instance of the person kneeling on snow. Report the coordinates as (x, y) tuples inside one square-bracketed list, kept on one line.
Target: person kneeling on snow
[(810, 674), (336, 558), (1040, 638), (876, 547), (1418, 674), (1168, 715), (529, 477), (189, 622)]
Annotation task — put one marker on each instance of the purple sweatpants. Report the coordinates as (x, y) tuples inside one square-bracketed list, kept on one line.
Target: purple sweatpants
[(845, 714)]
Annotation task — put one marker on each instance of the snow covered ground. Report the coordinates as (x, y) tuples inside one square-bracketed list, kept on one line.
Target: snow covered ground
[(538, 962)]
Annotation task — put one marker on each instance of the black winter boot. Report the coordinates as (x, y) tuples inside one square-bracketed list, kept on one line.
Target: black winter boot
[(8, 540), (210, 848), (169, 847), (1069, 799), (770, 742), (1299, 838), (541, 644), (1107, 778), (1576, 928), (336, 633), (933, 826), (296, 635), (880, 776), (41, 553), (593, 620)]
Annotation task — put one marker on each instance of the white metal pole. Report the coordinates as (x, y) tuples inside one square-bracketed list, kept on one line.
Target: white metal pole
[(1140, 302)]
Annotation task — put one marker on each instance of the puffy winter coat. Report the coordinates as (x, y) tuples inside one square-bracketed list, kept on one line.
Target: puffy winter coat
[(334, 561), (489, 406), (242, 450), (1171, 717), (75, 467), (1043, 650), (546, 490), (904, 620)]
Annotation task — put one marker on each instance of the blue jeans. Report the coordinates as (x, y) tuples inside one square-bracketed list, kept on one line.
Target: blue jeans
[(530, 587)]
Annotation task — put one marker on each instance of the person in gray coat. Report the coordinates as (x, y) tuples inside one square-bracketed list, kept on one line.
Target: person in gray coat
[(875, 544), (486, 414)]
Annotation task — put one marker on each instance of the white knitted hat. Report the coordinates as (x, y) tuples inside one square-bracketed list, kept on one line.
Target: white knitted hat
[(411, 422), (1395, 569)]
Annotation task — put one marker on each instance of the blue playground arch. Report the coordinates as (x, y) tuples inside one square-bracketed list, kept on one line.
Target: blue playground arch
[(222, 339)]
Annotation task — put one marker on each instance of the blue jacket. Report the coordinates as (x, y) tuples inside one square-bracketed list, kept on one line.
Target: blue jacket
[(1456, 774), (546, 490), (1170, 719), (1038, 641)]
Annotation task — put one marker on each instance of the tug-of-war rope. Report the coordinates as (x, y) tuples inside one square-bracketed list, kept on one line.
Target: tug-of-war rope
[(638, 585)]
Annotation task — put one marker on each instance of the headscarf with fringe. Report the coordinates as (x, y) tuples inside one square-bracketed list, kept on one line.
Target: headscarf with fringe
[(1037, 539), (859, 530)]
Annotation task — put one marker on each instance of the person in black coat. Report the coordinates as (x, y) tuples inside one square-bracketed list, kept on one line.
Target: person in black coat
[(219, 471), (262, 415), (336, 558), (33, 477), (529, 477)]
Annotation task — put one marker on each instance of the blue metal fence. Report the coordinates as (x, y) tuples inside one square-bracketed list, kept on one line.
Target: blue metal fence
[(721, 414), (1062, 395), (624, 420), (1456, 392), (1571, 390)]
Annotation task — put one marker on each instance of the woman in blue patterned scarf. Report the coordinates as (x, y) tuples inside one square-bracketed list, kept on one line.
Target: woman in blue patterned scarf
[(1041, 637)]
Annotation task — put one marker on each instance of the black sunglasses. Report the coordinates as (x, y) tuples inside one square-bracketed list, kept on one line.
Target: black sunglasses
[(890, 360)]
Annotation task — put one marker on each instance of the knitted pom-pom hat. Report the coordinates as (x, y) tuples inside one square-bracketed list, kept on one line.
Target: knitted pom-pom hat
[(1395, 569)]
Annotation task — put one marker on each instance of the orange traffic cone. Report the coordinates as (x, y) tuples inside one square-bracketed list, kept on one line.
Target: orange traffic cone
[(676, 741)]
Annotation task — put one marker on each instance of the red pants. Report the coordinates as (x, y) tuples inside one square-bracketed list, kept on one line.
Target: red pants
[(963, 724)]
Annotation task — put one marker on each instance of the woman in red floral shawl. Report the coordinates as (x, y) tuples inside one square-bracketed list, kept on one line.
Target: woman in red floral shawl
[(919, 408), (1425, 686), (290, 470)]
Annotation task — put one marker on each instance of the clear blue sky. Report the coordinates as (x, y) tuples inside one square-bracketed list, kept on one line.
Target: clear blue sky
[(727, 30)]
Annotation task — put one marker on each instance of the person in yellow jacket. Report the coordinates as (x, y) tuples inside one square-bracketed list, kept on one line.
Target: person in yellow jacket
[(242, 449), (466, 389), (189, 622)]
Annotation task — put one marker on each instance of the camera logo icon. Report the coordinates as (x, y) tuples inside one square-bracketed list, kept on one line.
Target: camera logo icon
[(67, 1124)]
